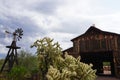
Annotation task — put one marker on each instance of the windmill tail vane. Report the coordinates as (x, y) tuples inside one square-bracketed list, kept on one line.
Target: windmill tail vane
[(7, 32)]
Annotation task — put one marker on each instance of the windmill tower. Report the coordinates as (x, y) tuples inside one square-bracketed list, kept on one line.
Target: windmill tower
[(11, 57)]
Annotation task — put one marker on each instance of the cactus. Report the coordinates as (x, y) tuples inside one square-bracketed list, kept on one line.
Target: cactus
[(54, 67)]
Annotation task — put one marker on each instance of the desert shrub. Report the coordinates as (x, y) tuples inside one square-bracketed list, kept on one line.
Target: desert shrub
[(17, 73)]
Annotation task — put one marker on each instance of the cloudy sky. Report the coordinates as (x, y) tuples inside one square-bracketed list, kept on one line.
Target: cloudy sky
[(61, 20)]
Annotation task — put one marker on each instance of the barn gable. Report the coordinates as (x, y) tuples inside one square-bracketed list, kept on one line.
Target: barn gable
[(97, 46), (92, 31)]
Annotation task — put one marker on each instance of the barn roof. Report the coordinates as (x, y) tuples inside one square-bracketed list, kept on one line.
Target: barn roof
[(94, 30), (69, 49)]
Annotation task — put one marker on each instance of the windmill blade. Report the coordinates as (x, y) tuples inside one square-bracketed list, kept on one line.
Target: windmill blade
[(19, 33)]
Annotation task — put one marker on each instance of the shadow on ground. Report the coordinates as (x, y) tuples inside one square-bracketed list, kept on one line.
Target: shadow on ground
[(107, 78)]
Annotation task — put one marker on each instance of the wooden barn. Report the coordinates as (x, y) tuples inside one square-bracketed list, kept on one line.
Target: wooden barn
[(100, 48)]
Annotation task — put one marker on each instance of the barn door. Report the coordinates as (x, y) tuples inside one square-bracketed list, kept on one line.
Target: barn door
[(101, 61)]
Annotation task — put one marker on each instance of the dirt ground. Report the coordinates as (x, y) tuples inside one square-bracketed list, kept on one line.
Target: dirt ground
[(107, 78)]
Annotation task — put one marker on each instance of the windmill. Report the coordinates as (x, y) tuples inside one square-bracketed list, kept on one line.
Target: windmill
[(11, 57)]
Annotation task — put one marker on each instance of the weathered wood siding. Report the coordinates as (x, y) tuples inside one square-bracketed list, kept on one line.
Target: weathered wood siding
[(98, 43)]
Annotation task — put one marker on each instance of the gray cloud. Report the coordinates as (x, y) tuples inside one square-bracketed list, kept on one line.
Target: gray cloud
[(47, 7), (2, 56), (58, 19), (76, 26), (30, 30), (24, 22)]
